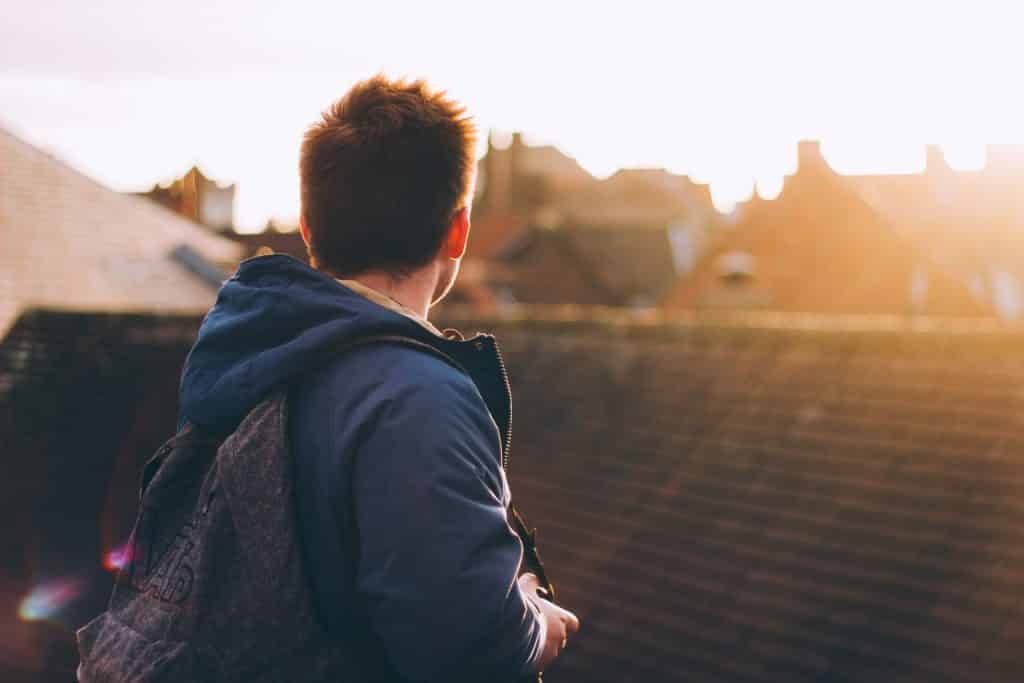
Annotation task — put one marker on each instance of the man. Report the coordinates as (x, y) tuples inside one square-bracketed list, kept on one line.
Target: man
[(398, 455)]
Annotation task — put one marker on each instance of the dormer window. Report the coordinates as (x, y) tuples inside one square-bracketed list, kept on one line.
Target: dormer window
[(736, 266)]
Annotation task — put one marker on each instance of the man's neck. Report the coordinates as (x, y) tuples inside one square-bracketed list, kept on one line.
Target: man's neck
[(415, 292)]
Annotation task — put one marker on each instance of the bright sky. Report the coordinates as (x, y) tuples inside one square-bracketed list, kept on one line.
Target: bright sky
[(136, 91)]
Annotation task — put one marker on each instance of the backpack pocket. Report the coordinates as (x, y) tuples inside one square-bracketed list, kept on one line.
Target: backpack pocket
[(110, 651)]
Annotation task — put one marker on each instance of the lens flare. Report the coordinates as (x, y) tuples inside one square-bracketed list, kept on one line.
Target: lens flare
[(45, 600), (118, 558)]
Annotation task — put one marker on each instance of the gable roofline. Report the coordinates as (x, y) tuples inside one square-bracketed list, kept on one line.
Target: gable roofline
[(146, 204), (672, 323), (72, 242)]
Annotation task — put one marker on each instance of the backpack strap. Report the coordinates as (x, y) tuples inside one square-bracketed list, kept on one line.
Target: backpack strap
[(401, 340), (530, 552)]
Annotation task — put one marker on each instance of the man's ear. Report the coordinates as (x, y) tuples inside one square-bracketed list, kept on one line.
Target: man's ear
[(303, 230), (458, 235)]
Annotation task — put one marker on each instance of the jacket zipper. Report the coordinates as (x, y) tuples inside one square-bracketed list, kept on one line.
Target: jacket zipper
[(527, 536), (507, 446)]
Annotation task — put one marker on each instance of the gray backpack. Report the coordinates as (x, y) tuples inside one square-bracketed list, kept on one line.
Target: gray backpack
[(214, 544)]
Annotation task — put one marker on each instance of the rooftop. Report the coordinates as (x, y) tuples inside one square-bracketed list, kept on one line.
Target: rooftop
[(803, 500), (721, 497), (821, 247), (67, 241)]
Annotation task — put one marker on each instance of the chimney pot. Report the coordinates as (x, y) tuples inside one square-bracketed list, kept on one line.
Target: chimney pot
[(809, 155), (935, 159)]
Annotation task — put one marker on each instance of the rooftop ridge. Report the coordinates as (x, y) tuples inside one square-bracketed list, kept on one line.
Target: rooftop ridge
[(53, 156), (567, 318), (608, 316)]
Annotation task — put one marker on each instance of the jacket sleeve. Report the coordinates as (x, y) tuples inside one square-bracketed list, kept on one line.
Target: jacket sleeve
[(438, 562)]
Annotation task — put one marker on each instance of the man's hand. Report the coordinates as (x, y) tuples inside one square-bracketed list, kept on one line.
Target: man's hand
[(561, 623)]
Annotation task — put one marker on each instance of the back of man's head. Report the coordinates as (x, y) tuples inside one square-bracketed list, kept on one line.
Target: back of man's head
[(382, 175)]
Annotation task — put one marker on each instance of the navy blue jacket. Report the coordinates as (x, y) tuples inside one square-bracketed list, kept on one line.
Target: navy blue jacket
[(410, 447)]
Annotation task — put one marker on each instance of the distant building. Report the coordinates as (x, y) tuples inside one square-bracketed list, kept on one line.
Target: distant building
[(821, 247), (637, 196), (629, 266), (514, 185), (68, 242), (970, 222), (522, 176), (197, 197), (545, 231)]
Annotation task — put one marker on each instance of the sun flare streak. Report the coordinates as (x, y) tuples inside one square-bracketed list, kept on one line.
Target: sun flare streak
[(47, 599), (117, 558)]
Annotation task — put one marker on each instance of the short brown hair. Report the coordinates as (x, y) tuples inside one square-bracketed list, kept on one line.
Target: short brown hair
[(382, 175)]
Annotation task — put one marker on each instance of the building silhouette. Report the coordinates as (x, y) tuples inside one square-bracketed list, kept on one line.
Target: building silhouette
[(199, 198), (822, 247), (970, 222)]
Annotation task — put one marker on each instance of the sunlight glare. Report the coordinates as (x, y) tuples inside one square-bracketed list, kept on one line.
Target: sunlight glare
[(47, 599), (964, 156), (769, 186)]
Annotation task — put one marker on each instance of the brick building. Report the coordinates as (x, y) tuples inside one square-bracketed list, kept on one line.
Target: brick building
[(822, 247), (545, 231), (970, 222), (199, 198)]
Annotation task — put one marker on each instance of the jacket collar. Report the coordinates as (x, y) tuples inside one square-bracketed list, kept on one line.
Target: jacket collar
[(387, 302)]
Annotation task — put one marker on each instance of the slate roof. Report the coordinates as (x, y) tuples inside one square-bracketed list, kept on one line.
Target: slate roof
[(726, 499), (590, 265), (781, 499), (650, 197), (67, 241)]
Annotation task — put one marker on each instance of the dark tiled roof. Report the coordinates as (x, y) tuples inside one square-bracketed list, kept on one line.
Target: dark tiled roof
[(84, 401), (806, 502), (607, 266), (493, 229), (543, 267), (638, 196), (771, 498), (632, 263)]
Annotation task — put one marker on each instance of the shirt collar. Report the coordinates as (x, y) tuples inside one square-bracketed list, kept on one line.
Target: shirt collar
[(387, 302)]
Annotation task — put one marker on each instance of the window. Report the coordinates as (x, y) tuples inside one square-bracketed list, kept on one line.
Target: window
[(736, 266)]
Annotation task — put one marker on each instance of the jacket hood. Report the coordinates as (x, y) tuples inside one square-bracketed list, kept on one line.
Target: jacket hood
[(273, 320)]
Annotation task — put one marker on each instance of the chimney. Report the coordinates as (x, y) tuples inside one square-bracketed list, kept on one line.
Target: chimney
[(809, 155), (497, 176), (515, 154), (935, 160)]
